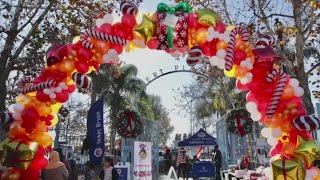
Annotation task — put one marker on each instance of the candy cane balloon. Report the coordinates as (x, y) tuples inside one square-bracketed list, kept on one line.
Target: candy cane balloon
[(36, 87), (127, 7), (24, 80), (306, 123), (194, 55), (244, 34), (101, 36), (276, 73), (265, 41), (82, 80)]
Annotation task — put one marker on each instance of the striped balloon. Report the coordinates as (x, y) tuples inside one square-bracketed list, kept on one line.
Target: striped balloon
[(276, 73), (23, 81), (82, 80), (101, 36), (36, 87), (5, 119), (306, 123), (244, 34), (127, 7), (265, 41), (194, 55)]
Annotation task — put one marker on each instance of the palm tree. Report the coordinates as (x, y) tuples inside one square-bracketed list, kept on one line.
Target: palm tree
[(120, 87)]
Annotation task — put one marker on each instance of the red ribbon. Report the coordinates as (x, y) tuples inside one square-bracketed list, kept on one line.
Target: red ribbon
[(240, 127), (284, 157), (130, 116)]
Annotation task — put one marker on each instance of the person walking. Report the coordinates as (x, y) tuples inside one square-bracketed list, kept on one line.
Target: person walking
[(182, 163), (74, 170), (64, 159), (108, 172), (217, 161), (55, 169), (167, 160)]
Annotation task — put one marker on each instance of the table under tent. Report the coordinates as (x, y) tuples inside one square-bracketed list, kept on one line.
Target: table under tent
[(204, 167)]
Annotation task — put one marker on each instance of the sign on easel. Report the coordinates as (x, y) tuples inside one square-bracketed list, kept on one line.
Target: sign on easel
[(142, 167), (171, 170), (123, 170)]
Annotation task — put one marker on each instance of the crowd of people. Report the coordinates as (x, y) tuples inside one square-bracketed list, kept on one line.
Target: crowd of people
[(61, 168), (183, 162)]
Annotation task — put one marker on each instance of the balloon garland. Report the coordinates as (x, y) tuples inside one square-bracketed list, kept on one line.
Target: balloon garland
[(274, 98), (129, 124), (239, 121)]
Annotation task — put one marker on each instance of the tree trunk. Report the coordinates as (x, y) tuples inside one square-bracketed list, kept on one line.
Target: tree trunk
[(302, 76), (3, 92)]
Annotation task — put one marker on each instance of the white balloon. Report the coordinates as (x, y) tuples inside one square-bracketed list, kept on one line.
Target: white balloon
[(11, 108), (221, 53), (16, 116), (227, 33), (175, 54), (244, 81), (210, 37), (272, 141), (58, 89), (251, 106), (106, 58), (112, 53), (99, 22), (265, 132), (294, 82), (249, 65), (51, 89), (215, 34), (268, 172), (18, 107), (108, 18), (214, 60), (221, 63), (211, 30), (63, 85), (249, 75), (276, 132), (52, 95), (243, 64), (256, 116), (52, 134), (298, 91)]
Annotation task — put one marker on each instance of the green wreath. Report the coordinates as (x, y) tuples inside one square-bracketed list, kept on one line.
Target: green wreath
[(239, 121), (129, 124)]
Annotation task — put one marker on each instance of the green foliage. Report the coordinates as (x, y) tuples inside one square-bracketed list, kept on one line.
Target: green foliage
[(145, 109)]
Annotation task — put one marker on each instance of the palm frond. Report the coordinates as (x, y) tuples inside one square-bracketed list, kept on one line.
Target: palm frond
[(133, 86)]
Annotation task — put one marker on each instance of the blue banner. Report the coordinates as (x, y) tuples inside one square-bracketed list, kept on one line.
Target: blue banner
[(96, 132)]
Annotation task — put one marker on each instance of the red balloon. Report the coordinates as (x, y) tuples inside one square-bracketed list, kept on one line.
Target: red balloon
[(239, 56), (193, 21), (220, 27), (42, 97), (62, 96), (128, 20), (29, 115), (82, 67), (84, 54), (71, 88), (242, 87), (153, 43), (105, 28)]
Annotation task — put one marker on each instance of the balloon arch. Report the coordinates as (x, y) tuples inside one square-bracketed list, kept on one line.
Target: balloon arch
[(273, 99)]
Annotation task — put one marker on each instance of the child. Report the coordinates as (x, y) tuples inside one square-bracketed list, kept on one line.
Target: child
[(108, 172)]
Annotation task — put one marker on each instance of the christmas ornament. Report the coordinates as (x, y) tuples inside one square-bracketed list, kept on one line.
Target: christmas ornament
[(82, 81), (306, 123), (127, 7), (147, 28), (208, 17), (194, 56)]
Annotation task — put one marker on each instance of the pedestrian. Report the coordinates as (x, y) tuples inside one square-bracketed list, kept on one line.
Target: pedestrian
[(64, 159), (182, 163), (167, 160), (90, 173), (216, 159), (55, 169), (74, 170), (108, 171)]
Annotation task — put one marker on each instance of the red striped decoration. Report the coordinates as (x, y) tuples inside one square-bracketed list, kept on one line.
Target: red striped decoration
[(36, 87), (82, 81), (127, 7), (306, 123), (244, 34), (265, 41), (101, 36), (194, 56), (23, 81), (276, 73)]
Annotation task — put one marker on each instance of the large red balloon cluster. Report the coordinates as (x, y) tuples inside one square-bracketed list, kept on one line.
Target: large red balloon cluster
[(274, 98)]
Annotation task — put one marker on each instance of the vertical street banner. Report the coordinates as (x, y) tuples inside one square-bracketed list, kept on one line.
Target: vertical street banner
[(142, 166), (95, 132)]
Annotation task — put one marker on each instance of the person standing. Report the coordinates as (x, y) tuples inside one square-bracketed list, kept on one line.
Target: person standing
[(167, 160), (217, 161), (108, 172), (182, 163), (55, 169), (64, 159)]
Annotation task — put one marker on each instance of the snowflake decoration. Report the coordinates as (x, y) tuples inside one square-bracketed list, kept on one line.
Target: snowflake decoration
[(161, 15), (178, 26), (183, 34), (166, 31), (180, 42), (163, 46), (185, 25), (161, 37)]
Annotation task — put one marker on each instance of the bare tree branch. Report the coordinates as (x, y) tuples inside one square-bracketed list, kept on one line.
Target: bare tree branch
[(313, 68), (32, 16)]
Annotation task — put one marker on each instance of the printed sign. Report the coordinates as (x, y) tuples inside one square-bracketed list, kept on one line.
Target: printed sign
[(142, 167)]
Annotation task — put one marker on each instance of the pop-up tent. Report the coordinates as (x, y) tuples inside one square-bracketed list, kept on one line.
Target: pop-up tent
[(201, 138)]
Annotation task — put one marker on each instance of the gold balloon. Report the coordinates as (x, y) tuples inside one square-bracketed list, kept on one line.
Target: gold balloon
[(288, 167), (309, 149), (147, 28), (208, 17)]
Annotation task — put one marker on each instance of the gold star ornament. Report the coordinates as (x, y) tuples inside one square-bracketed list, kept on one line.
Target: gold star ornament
[(208, 17), (147, 28), (309, 149)]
